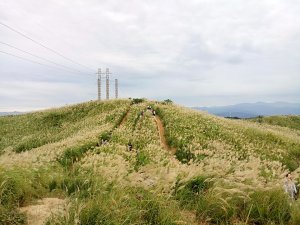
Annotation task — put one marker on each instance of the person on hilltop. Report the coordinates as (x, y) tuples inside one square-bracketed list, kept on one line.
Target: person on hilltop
[(290, 187)]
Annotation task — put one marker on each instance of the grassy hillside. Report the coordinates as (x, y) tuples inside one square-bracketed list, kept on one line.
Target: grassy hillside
[(282, 121), (191, 131), (24, 132), (222, 172)]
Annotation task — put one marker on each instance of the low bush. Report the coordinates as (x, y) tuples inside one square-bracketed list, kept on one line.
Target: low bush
[(77, 184), (260, 207), (105, 136), (95, 213), (74, 154), (153, 213), (19, 187), (184, 155), (11, 216), (167, 102), (29, 144), (269, 205), (188, 193), (137, 100), (112, 205), (217, 209), (295, 214), (142, 159)]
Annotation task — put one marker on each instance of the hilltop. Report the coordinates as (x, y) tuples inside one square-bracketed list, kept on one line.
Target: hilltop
[(185, 166)]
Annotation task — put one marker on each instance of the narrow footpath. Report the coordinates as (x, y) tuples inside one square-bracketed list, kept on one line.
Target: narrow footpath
[(124, 118), (162, 136)]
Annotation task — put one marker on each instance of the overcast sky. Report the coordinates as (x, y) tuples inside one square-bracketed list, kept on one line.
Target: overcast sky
[(197, 53)]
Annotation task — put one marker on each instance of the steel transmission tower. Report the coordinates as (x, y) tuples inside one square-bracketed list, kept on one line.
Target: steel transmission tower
[(99, 84), (107, 73), (116, 88)]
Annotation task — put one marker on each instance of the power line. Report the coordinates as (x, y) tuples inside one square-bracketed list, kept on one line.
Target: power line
[(32, 61), (29, 60), (57, 64), (44, 46)]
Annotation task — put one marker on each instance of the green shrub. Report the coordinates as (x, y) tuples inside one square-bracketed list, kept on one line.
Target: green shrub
[(142, 159), (137, 100), (295, 214), (10, 216), (18, 187), (53, 185), (168, 102), (261, 207), (54, 119), (77, 184), (187, 194), (105, 136), (153, 213), (155, 210), (29, 144), (74, 154), (216, 209), (111, 204), (184, 155), (269, 205), (94, 213)]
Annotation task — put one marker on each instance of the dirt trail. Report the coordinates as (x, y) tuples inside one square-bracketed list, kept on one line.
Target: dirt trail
[(124, 118), (38, 214), (162, 136), (190, 215)]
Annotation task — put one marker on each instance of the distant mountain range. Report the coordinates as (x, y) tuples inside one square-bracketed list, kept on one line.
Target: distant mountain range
[(248, 110), (10, 113)]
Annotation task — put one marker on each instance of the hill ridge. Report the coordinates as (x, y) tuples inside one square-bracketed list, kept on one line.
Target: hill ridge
[(82, 152)]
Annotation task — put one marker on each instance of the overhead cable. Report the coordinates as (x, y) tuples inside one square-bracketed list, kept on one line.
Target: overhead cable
[(44, 46), (39, 57), (33, 61)]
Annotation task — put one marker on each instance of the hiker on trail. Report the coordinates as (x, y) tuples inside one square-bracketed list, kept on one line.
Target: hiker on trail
[(104, 142), (290, 187), (153, 112), (129, 146)]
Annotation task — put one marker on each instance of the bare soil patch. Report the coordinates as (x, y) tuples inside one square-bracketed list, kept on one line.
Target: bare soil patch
[(37, 214)]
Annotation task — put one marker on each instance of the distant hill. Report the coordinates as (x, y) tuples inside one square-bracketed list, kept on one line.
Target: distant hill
[(249, 110), (282, 121), (10, 113)]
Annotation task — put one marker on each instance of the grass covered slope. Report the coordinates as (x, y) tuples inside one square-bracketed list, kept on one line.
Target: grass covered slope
[(291, 121), (32, 130), (223, 171), (191, 131)]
